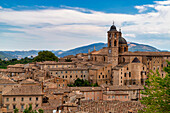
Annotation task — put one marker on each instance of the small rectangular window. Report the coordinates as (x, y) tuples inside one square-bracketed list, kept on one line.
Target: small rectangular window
[(30, 98), (7, 99), (22, 99), (36, 98), (14, 99), (22, 106), (14, 106)]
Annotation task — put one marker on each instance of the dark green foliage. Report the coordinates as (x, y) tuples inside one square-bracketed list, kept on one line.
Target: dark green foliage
[(68, 60), (16, 110), (29, 110), (82, 83), (45, 56), (4, 64), (40, 111), (157, 93)]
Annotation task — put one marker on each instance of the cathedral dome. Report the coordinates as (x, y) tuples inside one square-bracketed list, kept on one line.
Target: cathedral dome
[(122, 40), (113, 28)]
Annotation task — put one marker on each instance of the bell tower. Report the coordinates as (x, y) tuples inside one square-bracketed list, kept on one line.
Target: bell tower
[(113, 45)]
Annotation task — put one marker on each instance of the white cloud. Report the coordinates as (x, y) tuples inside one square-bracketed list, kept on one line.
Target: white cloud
[(129, 35), (75, 27)]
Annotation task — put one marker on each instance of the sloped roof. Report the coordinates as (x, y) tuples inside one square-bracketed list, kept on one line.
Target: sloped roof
[(24, 90), (135, 60), (28, 81), (6, 81), (140, 53)]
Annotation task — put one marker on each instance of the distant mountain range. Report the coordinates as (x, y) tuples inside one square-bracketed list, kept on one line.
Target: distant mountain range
[(84, 49)]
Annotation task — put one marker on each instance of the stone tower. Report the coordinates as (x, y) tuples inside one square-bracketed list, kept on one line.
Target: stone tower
[(113, 45)]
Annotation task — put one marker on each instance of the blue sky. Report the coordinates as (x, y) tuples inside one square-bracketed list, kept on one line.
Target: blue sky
[(66, 24)]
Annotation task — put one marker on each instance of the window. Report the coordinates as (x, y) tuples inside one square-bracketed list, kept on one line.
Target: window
[(14, 106), (7, 99), (84, 75), (61, 71), (30, 98), (99, 76), (22, 106), (7, 107), (125, 97), (113, 96), (127, 68), (36, 105), (115, 43), (70, 76), (76, 76), (63, 76), (59, 85), (115, 35), (56, 73), (121, 77), (22, 99), (65, 71), (154, 68), (106, 76), (81, 76), (125, 75), (36, 98), (123, 61), (14, 99), (104, 58), (103, 76), (129, 74), (63, 85), (66, 76), (143, 68), (124, 49)]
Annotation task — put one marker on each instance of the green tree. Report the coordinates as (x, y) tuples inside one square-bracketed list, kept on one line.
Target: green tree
[(40, 111), (45, 56), (156, 94), (16, 110), (29, 110)]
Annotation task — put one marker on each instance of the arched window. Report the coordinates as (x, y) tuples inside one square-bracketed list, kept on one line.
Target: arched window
[(115, 35), (104, 58), (115, 43), (110, 43), (124, 49)]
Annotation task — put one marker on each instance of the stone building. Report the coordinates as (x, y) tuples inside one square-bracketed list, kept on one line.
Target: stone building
[(21, 96)]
